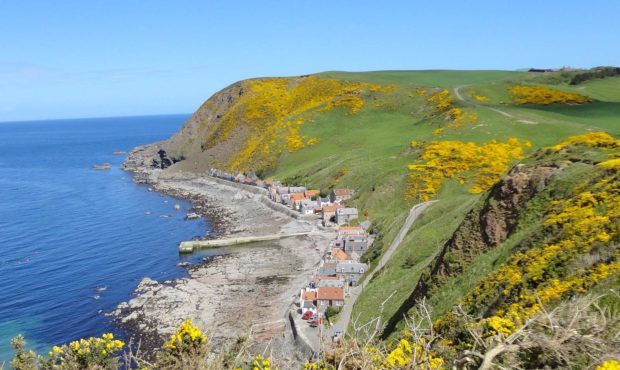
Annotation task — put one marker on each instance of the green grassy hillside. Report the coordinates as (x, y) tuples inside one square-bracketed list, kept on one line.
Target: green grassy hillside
[(401, 137), (373, 149)]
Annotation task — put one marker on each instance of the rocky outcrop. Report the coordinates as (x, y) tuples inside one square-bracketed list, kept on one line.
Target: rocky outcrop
[(491, 222)]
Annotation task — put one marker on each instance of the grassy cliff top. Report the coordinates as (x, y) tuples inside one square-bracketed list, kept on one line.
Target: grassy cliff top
[(400, 137)]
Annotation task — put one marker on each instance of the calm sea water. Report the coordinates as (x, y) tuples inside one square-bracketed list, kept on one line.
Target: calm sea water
[(74, 242)]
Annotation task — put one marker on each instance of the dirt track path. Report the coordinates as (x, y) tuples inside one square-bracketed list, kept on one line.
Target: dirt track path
[(457, 93), (344, 318)]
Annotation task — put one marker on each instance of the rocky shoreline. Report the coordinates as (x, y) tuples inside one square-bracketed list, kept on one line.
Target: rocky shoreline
[(245, 293)]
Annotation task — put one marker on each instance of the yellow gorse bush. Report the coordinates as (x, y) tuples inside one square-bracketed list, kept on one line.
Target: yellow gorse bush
[(587, 220), (480, 98), (273, 111), (443, 160), (188, 336), (609, 365), (592, 139), (308, 365), (84, 353), (611, 164), (496, 325), (443, 105), (412, 355), (261, 363), (477, 97), (542, 95), (441, 100)]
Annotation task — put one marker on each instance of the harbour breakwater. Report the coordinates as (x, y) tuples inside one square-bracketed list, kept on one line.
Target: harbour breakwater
[(191, 246)]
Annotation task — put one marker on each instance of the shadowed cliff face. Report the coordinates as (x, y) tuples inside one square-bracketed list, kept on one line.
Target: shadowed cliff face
[(487, 225)]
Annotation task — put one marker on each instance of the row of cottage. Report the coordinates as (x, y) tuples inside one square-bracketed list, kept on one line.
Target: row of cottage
[(306, 201), (340, 267), (339, 270)]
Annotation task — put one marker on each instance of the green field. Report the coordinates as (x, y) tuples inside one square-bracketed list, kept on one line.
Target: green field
[(369, 151)]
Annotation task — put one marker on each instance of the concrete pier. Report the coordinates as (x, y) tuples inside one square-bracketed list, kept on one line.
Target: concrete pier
[(190, 246)]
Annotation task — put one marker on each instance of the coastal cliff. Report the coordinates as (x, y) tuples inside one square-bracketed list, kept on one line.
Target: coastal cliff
[(505, 191), (187, 143), (249, 124)]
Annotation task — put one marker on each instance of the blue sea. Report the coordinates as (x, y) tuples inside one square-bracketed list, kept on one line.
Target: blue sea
[(75, 242)]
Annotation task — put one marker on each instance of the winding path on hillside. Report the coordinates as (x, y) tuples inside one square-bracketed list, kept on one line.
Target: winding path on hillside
[(344, 318), (457, 93)]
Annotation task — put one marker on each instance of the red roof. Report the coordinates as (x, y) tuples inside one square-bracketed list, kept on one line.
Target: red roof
[(311, 193), (330, 293), (339, 254), (342, 192), (332, 208), (296, 196), (350, 228), (308, 296)]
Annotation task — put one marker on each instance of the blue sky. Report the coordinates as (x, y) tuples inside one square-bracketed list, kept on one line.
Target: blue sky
[(65, 59)]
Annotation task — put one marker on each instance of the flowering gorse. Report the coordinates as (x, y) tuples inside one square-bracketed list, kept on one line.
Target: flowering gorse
[(609, 365), (261, 363), (542, 95), (443, 106), (585, 221), (272, 111), (86, 353), (411, 354), (187, 337), (591, 139), (443, 160)]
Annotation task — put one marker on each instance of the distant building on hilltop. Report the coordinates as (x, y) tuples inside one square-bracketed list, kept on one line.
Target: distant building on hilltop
[(540, 70)]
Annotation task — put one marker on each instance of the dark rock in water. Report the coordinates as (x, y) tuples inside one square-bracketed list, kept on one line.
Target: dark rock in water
[(102, 166), (192, 216), (184, 264), (164, 161)]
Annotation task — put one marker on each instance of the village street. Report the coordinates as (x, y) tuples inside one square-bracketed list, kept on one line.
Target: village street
[(344, 318)]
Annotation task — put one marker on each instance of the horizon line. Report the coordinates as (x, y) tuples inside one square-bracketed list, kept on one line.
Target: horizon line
[(94, 118)]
